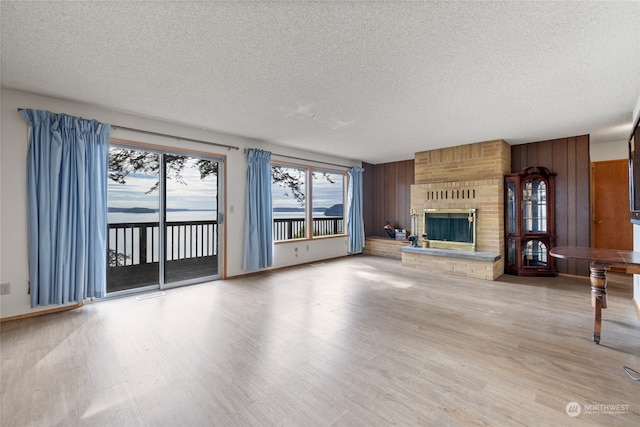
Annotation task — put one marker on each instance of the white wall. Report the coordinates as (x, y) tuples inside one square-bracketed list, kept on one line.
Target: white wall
[(13, 212), (614, 150)]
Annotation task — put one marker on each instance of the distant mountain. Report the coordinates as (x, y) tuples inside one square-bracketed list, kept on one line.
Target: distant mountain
[(335, 210)]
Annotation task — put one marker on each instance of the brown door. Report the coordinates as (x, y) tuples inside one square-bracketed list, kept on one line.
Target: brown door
[(611, 227)]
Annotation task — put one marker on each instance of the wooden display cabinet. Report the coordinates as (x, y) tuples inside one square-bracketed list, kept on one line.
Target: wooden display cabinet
[(530, 222)]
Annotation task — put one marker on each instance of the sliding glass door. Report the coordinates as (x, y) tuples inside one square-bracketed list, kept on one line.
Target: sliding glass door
[(191, 213), (163, 219)]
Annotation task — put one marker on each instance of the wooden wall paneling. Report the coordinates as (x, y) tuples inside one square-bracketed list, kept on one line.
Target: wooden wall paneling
[(377, 196), (369, 198), (523, 158), (583, 201), (571, 198), (387, 194), (394, 194), (532, 155), (559, 166), (375, 204), (381, 196), (403, 200), (545, 154), (409, 173), (403, 188), (387, 190), (519, 157), (391, 200), (515, 157)]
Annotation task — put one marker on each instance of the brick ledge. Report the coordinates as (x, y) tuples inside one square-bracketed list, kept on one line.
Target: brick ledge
[(379, 239), (451, 253)]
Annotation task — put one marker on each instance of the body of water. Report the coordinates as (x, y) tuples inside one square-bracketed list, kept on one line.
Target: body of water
[(121, 217)]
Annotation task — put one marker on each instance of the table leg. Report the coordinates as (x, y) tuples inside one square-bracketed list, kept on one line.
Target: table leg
[(598, 278)]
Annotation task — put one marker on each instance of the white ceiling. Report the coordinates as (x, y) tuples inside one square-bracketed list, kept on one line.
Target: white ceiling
[(371, 81)]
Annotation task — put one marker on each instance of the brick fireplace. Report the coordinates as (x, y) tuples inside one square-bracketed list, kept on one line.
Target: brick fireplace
[(462, 178)]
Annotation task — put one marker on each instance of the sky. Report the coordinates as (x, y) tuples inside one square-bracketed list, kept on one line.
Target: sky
[(200, 194), (325, 194), (196, 194)]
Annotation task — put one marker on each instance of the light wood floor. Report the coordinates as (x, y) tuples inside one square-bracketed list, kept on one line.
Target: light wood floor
[(358, 341)]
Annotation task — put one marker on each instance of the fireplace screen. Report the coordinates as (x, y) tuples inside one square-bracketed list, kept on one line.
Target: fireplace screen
[(450, 229)]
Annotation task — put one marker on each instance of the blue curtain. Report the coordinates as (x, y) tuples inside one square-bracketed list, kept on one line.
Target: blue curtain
[(355, 223), (67, 207), (258, 229)]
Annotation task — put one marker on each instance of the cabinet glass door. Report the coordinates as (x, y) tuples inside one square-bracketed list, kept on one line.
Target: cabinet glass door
[(511, 253), (534, 254), (511, 207), (534, 206)]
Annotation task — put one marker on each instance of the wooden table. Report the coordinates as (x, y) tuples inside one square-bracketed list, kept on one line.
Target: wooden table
[(600, 260)]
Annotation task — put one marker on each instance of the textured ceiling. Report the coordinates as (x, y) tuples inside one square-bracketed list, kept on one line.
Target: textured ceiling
[(371, 81)]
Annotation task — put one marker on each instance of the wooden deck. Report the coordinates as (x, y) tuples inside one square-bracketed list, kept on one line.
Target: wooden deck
[(135, 276)]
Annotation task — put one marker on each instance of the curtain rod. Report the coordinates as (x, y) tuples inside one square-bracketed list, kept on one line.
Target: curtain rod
[(307, 160), (179, 138)]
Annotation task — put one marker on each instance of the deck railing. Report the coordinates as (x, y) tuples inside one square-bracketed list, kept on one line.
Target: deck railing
[(134, 243), (293, 228)]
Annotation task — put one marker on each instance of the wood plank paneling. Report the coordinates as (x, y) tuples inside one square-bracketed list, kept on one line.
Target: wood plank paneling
[(391, 183), (583, 201), (569, 159), (515, 153), (571, 196), (387, 195), (545, 153), (532, 154), (515, 158)]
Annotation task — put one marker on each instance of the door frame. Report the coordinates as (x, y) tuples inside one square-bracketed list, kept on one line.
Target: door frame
[(221, 208)]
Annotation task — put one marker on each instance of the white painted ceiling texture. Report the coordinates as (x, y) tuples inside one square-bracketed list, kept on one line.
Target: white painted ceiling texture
[(371, 81)]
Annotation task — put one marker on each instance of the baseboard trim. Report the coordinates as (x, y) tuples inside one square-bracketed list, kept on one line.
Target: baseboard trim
[(272, 269), (41, 312)]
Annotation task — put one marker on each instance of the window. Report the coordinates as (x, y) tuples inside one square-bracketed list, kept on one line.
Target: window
[(328, 203), (288, 188), (303, 196)]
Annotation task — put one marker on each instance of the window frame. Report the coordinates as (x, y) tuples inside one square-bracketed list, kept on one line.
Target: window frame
[(308, 201)]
